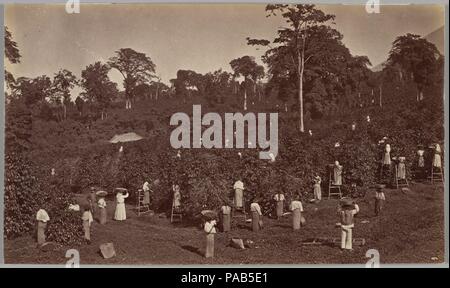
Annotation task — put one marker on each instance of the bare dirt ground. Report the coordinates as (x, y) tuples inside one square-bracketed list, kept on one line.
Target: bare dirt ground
[(410, 230)]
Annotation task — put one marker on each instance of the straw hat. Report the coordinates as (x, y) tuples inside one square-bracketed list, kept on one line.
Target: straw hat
[(101, 193)]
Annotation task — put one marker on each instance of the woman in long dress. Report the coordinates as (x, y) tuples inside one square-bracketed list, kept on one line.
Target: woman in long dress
[(210, 229), (239, 194), (279, 199), (387, 155), (42, 218), (256, 216), (102, 208), (226, 218), (337, 174), (401, 170), (146, 189), (317, 189), (87, 218), (437, 156), (120, 213), (297, 209), (176, 196)]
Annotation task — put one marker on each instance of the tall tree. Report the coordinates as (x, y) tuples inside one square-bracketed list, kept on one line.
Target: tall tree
[(136, 69), (32, 90), (247, 67), (13, 56), (79, 102), (417, 57), (308, 35), (11, 49), (63, 82), (98, 88)]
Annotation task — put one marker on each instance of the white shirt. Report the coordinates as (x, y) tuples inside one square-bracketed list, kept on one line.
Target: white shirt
[(279, 197), (254, 207), (146, 187), (296, 204), (42, 216), (210, 227), (226, 210), (238, 185), (121, 198), (101, 203)]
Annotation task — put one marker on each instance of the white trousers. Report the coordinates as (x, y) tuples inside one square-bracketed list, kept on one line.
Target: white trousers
[(346, 238)]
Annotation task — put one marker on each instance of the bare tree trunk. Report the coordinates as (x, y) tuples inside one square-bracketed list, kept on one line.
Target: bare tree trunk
[(300, 90), (381, 95), (245, 99)]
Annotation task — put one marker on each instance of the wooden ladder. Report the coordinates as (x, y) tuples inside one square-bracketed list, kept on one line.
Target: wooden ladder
[(175, 215), (398, 181), (436, 176), (141, 208), (332, 187)]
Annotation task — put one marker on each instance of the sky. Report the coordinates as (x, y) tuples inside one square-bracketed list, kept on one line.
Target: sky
[(199, 37)]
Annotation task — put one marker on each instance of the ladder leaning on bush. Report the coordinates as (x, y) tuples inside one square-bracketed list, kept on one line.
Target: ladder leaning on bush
[(436, 174), (333, 190), (175, 215), (141, 207)]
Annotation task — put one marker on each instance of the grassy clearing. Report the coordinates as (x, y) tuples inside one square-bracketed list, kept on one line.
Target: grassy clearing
[(410, 230)]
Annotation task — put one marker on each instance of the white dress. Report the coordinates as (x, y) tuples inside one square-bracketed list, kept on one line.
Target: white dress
[(120, 213), (437, 156)]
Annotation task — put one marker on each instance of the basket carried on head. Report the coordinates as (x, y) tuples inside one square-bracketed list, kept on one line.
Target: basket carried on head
[(209, 215)]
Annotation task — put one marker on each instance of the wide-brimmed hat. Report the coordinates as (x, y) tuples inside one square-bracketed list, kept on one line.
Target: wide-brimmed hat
[(120, 190), (209, 214), (101, 193)]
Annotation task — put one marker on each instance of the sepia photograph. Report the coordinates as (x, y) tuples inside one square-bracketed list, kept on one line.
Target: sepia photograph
[(145, 134)]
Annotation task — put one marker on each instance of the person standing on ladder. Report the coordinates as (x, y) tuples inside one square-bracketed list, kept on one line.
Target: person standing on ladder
[(386, 162), (176, 196), (437, 163), (337, 174), (225, 217), (146, 189)]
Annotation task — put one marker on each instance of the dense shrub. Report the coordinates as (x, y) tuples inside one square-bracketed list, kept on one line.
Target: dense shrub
[(28, 189), (21, 196)]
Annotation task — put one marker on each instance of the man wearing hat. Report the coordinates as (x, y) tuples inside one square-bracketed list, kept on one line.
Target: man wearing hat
[(346, 210)]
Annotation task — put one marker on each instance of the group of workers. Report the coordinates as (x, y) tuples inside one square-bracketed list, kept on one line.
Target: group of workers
[(95, 202), (347, 208)]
